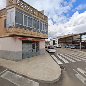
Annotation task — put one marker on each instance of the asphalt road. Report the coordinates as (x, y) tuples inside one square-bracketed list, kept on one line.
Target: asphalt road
[(4, 82), (73, 70), (10, 78)]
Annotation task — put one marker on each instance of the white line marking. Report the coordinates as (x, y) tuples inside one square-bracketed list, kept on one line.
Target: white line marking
[(73, 57), (81, 71), (3, 71), (62, 59), (80, 77), (18, 80), (68, 58), (83, 59), (58, 61)]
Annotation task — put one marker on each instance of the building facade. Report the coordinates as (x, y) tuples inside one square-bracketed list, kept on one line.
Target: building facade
[(23, 30)]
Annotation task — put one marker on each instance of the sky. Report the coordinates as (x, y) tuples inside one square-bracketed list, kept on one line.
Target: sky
[(64, 16)]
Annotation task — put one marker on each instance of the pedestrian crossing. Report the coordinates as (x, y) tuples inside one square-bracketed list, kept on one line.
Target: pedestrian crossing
[(16, 79), (80, 74), (65, 58), (57, 61)]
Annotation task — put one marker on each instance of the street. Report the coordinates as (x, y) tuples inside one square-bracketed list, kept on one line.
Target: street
[(72, 63), (9, 78), (4, 82)]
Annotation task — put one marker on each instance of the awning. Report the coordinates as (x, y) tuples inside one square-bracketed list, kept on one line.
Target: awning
[(30, 39)]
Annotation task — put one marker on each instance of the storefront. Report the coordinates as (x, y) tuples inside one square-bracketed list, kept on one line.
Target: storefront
[(32, 47)]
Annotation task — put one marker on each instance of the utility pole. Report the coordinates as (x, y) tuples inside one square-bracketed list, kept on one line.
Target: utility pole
[(80, 42)]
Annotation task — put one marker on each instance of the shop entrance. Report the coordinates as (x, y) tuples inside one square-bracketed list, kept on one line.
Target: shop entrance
[(30, 49)]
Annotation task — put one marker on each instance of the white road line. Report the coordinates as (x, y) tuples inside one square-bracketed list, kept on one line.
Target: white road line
[(81, 71), (76, 59), (73, 57), (62, 59), (3, 71), (18, 80), (83, 59), (80, 77), (68, 58), (58, 61)]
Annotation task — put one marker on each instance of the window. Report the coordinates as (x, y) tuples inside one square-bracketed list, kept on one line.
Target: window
[(34, 23), (37, 46), (29, 21), (37, 25), (19, 18), (10, 18), (33, 45), (46, 28), (25, 20), (43, 27), (40, 26)]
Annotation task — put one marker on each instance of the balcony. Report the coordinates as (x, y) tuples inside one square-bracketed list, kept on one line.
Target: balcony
[(25, 33), (24, 20)]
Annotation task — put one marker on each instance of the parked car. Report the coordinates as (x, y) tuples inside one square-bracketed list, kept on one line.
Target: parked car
[(73, 47), (51, 49), (66, 46), (59, 46)]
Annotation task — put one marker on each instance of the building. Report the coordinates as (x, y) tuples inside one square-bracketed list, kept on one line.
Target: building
[(23, 30), (77, 40), (52, 41)]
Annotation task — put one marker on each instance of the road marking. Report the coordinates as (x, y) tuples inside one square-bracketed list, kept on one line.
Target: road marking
[(83, 59), (81, 71), (58, 61), (62, 59), (18, 80), (68, 58), (80, 77), (3, 71), (73, 57)]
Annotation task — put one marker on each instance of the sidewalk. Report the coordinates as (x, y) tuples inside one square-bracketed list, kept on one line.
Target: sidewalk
[(40, 68)]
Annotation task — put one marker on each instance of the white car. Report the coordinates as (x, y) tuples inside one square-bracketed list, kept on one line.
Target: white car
[(51, 49)]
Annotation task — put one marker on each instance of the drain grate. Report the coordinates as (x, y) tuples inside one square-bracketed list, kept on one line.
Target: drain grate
[(18, 80)]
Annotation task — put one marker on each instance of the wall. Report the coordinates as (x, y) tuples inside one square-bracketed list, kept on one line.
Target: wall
[(10, 48), (42, 47), (2, 29)]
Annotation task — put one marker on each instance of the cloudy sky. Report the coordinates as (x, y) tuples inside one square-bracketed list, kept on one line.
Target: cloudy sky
[(64, 16)]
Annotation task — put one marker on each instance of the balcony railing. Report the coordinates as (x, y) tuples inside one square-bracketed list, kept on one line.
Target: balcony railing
[(23, 32)]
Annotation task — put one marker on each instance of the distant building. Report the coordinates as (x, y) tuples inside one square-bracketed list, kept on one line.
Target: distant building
[(53, 41), (77, 40), (23, 31)]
